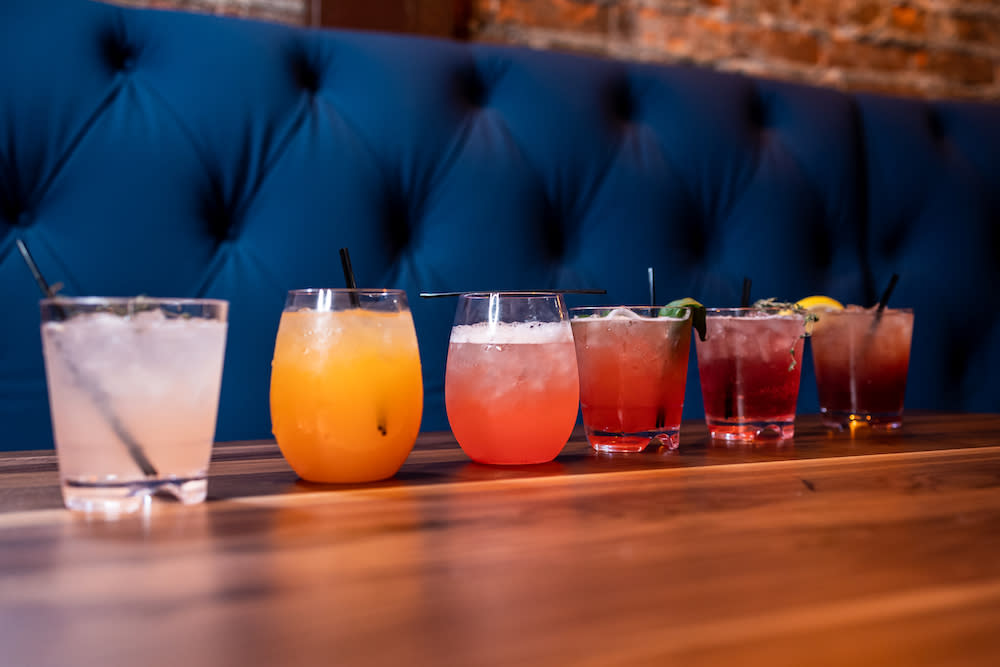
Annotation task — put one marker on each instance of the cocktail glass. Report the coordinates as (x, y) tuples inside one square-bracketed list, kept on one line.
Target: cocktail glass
[(861, 359), (750, 364), (134, 391), (346, 390), (633, 369), (511, 385)]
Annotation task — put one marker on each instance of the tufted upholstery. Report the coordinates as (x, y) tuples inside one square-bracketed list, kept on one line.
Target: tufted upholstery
[(170, 154)]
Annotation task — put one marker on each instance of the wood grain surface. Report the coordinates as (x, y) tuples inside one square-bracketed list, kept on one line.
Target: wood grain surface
[(831, 550)]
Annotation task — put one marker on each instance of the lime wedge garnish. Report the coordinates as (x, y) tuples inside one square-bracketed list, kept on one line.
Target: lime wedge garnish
[(677, 307)]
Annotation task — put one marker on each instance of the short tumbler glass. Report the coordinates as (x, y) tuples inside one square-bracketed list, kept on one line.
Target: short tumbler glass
[(134, 392), (511, 386), (633, 369), (861, 359), (750, 365)]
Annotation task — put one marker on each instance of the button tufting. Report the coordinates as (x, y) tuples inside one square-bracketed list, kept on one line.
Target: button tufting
[(306, 76), (757, 111), (119, 55), (472, 88), (622, 102), (935, 124)]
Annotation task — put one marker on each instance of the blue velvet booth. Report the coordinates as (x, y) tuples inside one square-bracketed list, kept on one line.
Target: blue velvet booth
[(182, 155)]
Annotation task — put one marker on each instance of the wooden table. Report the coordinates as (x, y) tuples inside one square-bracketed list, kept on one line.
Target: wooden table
[(832, 550)]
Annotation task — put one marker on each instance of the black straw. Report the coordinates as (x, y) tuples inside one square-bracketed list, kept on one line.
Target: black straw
[(435, 295), (345, 262), (381, 420), (29, 260), (888, 292), (661, 412), (100, 399), (745, 298)]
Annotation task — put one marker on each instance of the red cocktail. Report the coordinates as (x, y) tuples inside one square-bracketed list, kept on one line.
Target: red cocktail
[(750, 364), (633, 368), (861, 361)]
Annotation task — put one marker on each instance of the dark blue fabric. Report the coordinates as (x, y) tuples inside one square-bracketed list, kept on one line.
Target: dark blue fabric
[(183, 155)]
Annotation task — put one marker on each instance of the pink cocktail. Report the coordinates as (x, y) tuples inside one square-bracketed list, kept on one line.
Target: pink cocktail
[(861, 361), (633, 369), (511, 384), (750, 364)]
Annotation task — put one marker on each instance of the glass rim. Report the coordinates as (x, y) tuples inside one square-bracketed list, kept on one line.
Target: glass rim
[(866, 311), (766, 310), (625, 305), (308, 291), (589, 309), (127, 300)]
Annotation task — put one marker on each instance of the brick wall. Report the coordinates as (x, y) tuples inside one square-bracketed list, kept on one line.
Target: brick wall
[(924, 48)]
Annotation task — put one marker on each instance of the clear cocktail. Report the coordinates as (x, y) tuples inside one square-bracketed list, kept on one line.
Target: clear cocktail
[(861, 365), (346, 388), (633, 369), (511, 386), (134, 391), (750, 364)]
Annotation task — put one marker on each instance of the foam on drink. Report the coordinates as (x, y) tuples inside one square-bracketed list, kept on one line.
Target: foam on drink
[(512, 333)]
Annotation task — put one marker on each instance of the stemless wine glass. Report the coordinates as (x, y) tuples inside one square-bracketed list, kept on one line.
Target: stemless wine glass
[(346, 390), (511, 385)]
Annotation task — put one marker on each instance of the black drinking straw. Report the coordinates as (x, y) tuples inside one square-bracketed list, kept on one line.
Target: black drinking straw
[(436, 295), (730, 408), (345, 263), (661, 414), (883, 302), (887, 293), (100, 399)]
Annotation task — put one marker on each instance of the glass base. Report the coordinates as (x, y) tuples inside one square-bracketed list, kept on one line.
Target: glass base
[(750, 431), (129, 497), (843, 420), (607, 441)]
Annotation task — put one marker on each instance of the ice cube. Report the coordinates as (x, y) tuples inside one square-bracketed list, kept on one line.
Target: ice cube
[(623, 313)]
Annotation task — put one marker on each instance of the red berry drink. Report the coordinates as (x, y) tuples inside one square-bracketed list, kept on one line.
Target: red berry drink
[(861, 361), (750, 364), (633, 368)]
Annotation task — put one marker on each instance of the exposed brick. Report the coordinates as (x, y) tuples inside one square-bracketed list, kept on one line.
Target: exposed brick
[(863, 13), (861, 55), (961, 67), (565, 15), (909, 19), (781, 44), (980, 29)]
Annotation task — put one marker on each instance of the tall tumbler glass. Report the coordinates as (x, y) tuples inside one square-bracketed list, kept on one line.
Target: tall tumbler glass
[(134, 391), (861, 358), (511, 386), (346, 390), (750, 364)]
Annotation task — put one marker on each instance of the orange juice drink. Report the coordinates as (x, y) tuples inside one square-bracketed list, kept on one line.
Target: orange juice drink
[(346, 389)]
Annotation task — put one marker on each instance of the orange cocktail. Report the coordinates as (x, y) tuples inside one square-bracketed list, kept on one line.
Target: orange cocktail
[(511, 386), (346, 389)]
